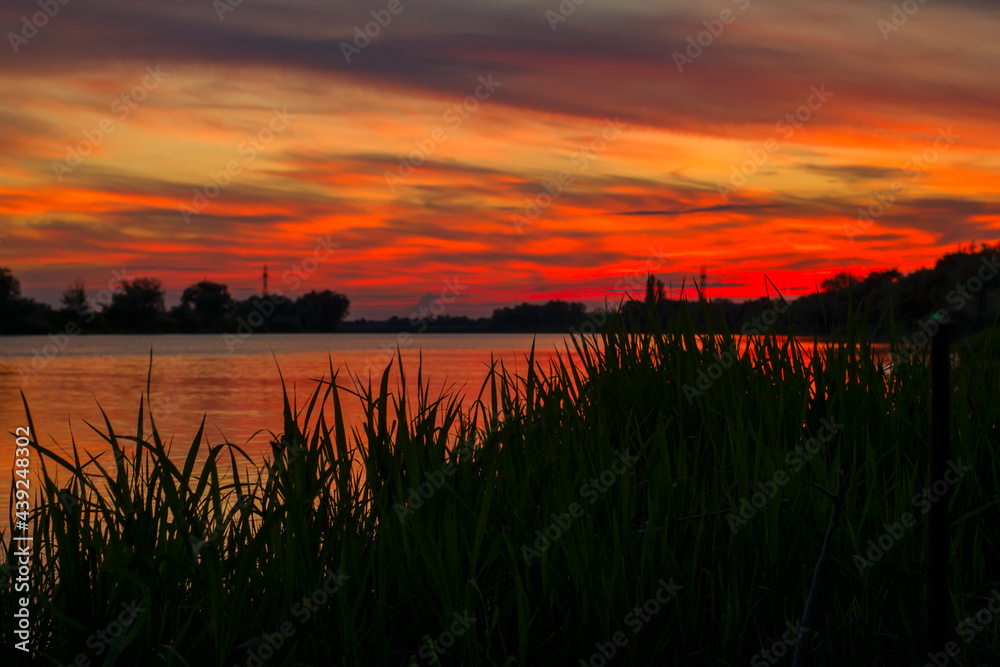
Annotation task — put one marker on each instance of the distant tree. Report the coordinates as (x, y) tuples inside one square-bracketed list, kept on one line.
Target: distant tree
[(74, 298), (138, 306), (10, 287), (877, 277), (17, 314), (272, 314), (321, 311), (554, 315), (837, 283), (10, 294), (206, 306)]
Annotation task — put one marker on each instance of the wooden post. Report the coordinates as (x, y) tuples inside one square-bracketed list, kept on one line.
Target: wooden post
[(938, 601)]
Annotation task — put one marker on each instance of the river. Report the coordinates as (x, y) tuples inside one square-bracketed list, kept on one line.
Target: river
[(233, 383)]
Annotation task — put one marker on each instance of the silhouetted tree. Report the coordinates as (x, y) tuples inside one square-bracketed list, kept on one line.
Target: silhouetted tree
[(10, 287), (838, 282), (74, 298), (10, 294), (205, 306), (915, 296), (138, 306), (321, 311), (17, 314), (554, 315)]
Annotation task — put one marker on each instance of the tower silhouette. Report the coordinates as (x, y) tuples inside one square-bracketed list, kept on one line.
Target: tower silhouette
[(265, 281)]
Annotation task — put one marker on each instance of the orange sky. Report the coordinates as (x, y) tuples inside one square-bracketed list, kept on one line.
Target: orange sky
[(392, 160)]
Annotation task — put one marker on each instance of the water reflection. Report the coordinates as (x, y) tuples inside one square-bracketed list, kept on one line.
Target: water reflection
[(238, 393)]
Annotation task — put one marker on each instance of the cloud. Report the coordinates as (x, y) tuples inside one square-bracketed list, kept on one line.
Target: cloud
[(705, 209), (357, 121), (855, 173)]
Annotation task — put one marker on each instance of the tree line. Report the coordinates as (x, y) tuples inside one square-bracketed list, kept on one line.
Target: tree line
[(137, 306), (962, 288)]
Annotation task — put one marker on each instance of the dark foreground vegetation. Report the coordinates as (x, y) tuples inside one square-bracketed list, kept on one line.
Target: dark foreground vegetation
[(963, 283), (613, 502)]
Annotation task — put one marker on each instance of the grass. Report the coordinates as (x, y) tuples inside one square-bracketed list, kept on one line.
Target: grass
[(423, 513)]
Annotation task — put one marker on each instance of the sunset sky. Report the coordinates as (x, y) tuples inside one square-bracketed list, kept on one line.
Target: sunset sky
[(117, 116)]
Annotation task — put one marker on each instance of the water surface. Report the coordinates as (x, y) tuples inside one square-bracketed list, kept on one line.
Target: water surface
[(233, 383)]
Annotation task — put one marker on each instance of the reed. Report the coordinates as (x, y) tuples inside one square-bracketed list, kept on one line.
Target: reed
[(548, 508)]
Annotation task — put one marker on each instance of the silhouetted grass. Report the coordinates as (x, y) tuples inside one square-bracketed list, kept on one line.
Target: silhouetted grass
[(220, 551)]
